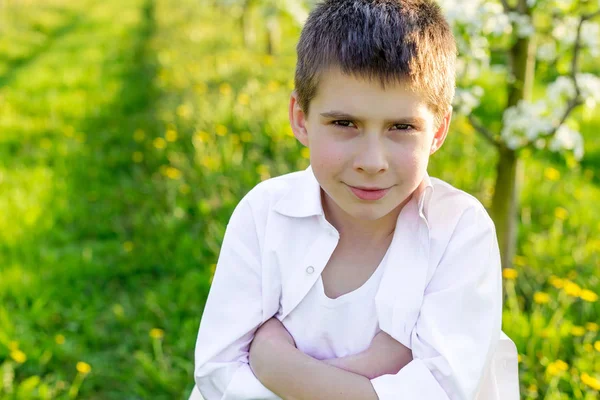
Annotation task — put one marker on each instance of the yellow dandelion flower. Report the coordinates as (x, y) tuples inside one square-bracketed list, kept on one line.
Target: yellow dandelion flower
[(171, 135), (588, 347), (139, 135), (83, 368), (532, 388), (172, 173), (13, 345), (246, 137), (590, 381), (118, 310), (597, 345), (572, 289), (69, 131), (263, 171), (288, 131), (128, 246), (46, 143), (561, 213), (519, 358), (200, 88), (184, 189), (552, 369), (243, 99), (268, 60), (156, 333), (59, 339), (577, 331), (556, 282), (201, 137), (184, 110), (221, 130), (561, 365), (305, 152), (591, 326), (273, 86), (520, 261), (137, 156), (541, 297), (510, 273), (552, 174), (546, 333), (225, 89), (588, 295), (18, 356), (588, 174), (159, 143)]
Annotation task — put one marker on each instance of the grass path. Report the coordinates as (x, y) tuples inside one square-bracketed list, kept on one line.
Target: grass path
[(87, 235)]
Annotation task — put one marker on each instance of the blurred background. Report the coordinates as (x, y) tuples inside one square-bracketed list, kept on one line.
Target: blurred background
[(130, 129)]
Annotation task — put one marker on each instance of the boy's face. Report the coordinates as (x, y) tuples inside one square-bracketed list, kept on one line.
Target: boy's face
[(361, 135)]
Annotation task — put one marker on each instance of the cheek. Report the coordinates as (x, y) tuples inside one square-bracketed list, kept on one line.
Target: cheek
[(326, 153)]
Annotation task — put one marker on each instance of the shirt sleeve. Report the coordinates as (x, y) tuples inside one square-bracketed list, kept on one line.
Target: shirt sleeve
[(460, 319), (231, 316)]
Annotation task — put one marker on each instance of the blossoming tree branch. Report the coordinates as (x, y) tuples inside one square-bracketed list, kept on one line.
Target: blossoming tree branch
[(529, 32)]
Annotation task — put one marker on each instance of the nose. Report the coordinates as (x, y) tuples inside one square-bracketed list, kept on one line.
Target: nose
[(371, 156)]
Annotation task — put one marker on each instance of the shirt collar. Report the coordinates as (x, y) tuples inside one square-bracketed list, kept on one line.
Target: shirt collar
[(304, 197)]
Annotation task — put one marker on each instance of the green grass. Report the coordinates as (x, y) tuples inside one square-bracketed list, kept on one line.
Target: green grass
[(130, 130)]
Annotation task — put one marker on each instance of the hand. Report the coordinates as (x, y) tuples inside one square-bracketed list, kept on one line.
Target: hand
[(384, 356), (391, 355)]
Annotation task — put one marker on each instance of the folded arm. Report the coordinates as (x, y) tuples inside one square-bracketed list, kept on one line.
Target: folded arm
[(294, 375)]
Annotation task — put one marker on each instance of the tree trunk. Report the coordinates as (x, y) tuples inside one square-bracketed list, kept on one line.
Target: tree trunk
[(506, 190), (505, 203), (273, 35), (248, 32)]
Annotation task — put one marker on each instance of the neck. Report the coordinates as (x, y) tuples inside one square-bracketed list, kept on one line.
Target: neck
[(360, 231)]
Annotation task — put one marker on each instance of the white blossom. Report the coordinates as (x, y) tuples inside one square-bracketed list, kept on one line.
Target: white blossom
[(523, 24), (569, 139), (561, 89), (466, 100), (525, 123), (565, 30), (590, 35), (589, 86), (494, 20), (547, 51)]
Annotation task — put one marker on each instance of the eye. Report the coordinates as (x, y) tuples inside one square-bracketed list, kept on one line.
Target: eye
[(343, 123), (404, 127)]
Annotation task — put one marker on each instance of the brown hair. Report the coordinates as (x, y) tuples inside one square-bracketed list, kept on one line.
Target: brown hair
[(393, 40)]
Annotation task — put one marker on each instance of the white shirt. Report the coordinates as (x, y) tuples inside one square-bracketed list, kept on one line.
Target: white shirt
[(440, 292), (330, 320)]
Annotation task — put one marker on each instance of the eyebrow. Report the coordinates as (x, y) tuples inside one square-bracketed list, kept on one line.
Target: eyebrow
[(399, 120)]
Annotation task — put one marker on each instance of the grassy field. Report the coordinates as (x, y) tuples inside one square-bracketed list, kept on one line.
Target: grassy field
[(128, 132)]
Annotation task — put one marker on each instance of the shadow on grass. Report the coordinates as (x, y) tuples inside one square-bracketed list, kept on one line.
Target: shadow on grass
[(15, 65), (104, 296)]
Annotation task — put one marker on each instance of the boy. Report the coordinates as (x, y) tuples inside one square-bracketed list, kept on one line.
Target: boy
[(361, 277)]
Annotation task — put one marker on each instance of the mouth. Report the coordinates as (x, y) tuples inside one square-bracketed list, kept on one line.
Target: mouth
[(366, 193)]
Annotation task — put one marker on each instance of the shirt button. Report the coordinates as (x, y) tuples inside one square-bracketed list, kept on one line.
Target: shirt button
[(310, 270)]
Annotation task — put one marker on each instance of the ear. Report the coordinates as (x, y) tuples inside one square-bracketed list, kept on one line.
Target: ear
[(440, 135), (298, 120)]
